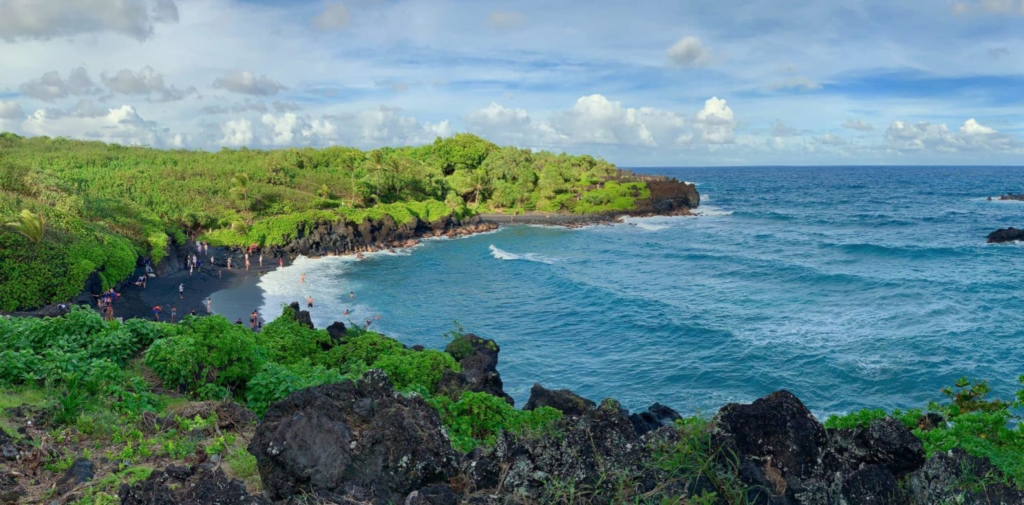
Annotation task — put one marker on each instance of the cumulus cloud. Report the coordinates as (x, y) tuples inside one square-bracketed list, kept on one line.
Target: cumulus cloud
[(146, 82), (248, 83), (714, 124), (334, 16), (35, 19), (510, 125), (121, 125), (830, 139), (971, 136), (688, 52), (237, 133), (506, 20), (857, 124), (51, 86), (595, 119)]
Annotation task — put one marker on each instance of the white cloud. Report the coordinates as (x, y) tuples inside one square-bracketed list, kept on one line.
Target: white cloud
[(596, 120), (780, 129), (506, 20), (829, 139), (282, 128), (714, 124), (43, 19), (334, 16), (905, 137), (147, 82), (857, 124), (510, 125), (237, 133), (51, 86), (10, 116), (796, 82), (247, 83), (688, 52), (121, 125), (286, 106)]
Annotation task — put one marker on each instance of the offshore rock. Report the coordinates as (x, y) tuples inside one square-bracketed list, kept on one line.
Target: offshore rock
[(352, 441), (478, 358), (1002, 235), (178, 485), (656, 416), (571, 404)]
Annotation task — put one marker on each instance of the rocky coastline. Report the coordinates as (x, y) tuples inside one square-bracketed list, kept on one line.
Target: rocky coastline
[(363, 442), (1004, 235)]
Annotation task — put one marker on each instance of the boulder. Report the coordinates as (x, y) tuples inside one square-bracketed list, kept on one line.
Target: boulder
[(886, 443), (302, 316), (656, 416), (81, 470), (354, 440), (338, 332), (593, 451), (10, 490), (1002, 235), (568, 402), (957, 477), (178, 485), (478, 358), (437, 494)]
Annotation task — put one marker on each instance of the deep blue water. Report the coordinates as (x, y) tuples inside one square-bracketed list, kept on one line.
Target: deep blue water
[(852, 287)]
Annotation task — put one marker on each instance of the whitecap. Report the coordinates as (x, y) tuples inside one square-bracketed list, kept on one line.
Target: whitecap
[(712, 211), (507, 256)]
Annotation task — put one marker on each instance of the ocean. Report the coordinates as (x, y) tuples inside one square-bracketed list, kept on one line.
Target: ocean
[(852, 287)]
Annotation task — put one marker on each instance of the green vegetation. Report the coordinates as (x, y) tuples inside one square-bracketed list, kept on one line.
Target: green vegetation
[(976, 424), (78, 207)]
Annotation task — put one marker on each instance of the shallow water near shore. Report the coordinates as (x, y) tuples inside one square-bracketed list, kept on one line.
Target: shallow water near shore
[(852, 287)]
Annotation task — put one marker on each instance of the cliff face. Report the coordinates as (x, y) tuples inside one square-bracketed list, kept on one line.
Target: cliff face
[(669, 196), (346, 237)]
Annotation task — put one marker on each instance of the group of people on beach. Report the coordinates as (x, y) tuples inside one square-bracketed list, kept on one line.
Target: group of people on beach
[(105, 303)]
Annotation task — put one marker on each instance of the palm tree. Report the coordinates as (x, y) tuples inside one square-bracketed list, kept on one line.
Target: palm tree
[(241, 187), (377, 167), (32, 226), (480, 183)]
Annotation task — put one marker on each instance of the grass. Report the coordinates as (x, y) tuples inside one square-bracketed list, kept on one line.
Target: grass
[(32, 396)]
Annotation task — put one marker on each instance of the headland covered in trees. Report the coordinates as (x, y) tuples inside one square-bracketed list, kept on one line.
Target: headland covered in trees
[(88, 212)]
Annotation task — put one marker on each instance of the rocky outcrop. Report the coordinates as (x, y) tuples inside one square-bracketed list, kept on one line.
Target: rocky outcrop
[(356, 441), (943, 477), (478, 359), (785, 456), (656, 416), (568, 402), (179, 485), (1002, 235), (668, 197), (301, 316), (1011, 196), (80, 472), (346, 237)]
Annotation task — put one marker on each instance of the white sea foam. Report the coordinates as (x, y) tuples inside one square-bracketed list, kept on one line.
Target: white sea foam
[(652, 226), (507, 256), (712, 211)]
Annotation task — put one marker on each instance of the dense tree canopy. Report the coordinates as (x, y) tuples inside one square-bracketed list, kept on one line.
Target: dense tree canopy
[(105, 204)]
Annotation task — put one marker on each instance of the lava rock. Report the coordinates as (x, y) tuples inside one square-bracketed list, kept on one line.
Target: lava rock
[(179, 485), (886, 443), (337, 332), (82, 470), (957, 477), (568, 402), (433, 495), (656, 416), (302, 316), (1002, 235), (352, 439), (478, 359)]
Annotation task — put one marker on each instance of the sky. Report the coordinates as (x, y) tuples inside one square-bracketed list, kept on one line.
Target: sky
[(639, 83)]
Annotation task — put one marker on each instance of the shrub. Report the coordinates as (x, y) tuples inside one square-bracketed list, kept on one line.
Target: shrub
[(209, 349), (418, 370), (275, 382), (477, 418), (287, 341)]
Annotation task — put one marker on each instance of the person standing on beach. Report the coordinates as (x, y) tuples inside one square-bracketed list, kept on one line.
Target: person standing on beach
[(229, 262), (174, 313), (246, 262), (309, 302), (209, 305), (181, 290), (156, 313), (261, 259), (280, 262)]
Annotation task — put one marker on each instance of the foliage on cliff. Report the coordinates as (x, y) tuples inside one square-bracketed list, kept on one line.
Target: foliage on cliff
[(104, 204)]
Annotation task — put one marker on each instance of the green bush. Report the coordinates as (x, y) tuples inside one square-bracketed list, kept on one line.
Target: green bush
[(287, 341), (416, 370), (209, 349), (477, 418), (274, 382)]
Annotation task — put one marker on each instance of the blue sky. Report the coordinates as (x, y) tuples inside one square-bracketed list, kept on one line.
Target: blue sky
[(639, 83)]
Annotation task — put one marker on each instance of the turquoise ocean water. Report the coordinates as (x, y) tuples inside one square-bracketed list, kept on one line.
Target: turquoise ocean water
[(852, 287)]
